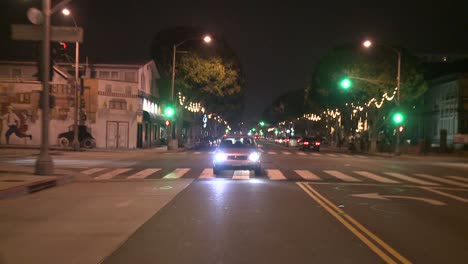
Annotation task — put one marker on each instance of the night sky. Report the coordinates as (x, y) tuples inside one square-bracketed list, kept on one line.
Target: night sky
[(278, 43)]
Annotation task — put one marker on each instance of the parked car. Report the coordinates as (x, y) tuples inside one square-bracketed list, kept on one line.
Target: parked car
[(237, 152), (84, 137), (309, 143)]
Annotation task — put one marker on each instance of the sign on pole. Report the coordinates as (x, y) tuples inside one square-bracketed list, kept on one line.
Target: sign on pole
[(58, 34)]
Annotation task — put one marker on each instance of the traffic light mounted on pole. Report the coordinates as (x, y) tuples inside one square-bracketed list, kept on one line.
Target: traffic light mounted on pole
[(346, 83), (398, 118), (169, 111)]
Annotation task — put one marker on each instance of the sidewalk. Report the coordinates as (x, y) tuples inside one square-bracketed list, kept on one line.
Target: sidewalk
[(19, 180)]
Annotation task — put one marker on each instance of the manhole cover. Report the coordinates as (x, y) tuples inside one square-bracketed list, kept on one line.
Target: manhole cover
[(13, 180)]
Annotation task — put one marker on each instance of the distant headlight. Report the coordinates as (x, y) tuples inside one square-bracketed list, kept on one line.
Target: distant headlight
[(220, 157), (254, 156)]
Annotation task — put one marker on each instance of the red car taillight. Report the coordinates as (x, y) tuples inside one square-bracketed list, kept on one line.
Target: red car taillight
[(306, 143), (317, 143)]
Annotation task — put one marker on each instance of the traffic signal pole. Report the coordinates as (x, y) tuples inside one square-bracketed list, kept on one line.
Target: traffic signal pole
[(397, 146)]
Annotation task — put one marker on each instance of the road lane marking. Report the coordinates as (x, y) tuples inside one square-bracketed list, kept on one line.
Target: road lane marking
[(275, 175), (177, 173), (286, 153), (410, 179), (301, 153), (443, 180), (357, 229), (143, 174), (271, 152), (207, 174), (197, 152), (241, 175), (375, 177), (341, 176), (111, 174), (458, 198), (458, 178), (307, 175), (92, 171)]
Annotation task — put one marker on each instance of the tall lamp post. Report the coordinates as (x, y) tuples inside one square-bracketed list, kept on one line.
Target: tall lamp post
[(368, 44), (76, 141), (207, 39)]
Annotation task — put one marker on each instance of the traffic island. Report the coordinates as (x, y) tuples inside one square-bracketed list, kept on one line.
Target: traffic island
[(16, 184)]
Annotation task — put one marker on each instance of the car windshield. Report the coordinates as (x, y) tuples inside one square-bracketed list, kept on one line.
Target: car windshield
[(238, 143)]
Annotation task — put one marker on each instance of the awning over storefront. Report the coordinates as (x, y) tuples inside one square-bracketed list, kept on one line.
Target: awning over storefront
[(152, 118)]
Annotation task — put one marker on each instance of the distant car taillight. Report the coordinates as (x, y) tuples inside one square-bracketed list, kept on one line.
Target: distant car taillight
[(298, 140), (287, 140), (317, 143), (306, 143)]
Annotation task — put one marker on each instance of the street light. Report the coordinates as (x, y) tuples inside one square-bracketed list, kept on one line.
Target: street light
[(206, 39), (368, 44), (76, 142)]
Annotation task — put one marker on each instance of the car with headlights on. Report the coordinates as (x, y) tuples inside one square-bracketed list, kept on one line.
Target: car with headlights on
[(237, 152)]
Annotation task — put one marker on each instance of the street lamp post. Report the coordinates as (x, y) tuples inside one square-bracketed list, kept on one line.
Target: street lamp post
[(174, 142), (367, 44), (44, 164), (76, 142)]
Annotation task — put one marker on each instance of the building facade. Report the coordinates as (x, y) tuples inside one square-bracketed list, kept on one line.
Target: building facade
[(119, 104), (446, 111)]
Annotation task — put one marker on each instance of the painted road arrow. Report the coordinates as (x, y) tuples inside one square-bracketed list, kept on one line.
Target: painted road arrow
[(386, 197)]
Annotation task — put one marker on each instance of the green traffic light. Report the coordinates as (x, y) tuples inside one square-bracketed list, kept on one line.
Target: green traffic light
[(169, 112), (262, 123), (398, 118), (345, 83)]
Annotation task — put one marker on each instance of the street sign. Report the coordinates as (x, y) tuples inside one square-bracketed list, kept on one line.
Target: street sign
[(57, 34)]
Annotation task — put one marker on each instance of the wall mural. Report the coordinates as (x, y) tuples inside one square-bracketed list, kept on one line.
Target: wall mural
[(14, 123)]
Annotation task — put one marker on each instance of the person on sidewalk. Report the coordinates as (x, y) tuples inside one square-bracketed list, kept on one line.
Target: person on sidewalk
[(12, 121)]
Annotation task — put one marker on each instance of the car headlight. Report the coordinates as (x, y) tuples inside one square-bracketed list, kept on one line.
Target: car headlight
[(220, 157), (254, 156)]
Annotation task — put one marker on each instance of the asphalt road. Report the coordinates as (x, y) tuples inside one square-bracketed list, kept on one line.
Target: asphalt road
[(326, 207)]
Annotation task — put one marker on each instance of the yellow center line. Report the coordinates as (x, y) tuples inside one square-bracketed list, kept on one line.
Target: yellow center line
[(339, 214)]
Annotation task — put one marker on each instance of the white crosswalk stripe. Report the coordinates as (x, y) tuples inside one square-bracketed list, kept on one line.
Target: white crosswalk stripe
[(177, 173), (307, 175), (375, 177), (241, 175), (207, 174), (197, 152), (341, 176), (143, 174), (271, 152), (443, 180), (458, 178), (275, 175), (301, 153), (410, 179), (331, 155), (315, 154), (92, 171), (286, 153), (111, 174)]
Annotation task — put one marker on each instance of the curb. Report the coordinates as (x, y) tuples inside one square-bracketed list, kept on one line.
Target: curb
[(36, 186)]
